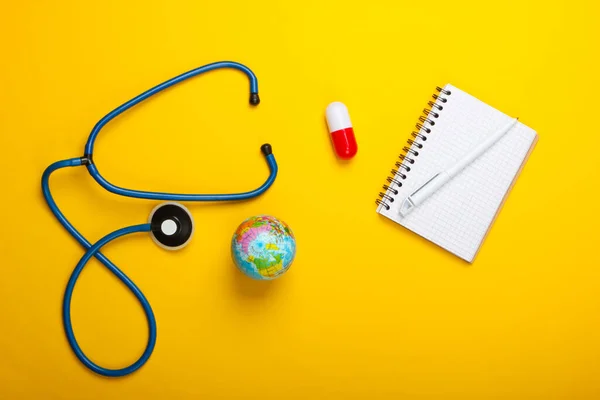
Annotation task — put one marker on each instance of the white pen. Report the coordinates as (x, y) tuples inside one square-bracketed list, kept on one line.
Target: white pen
[(441, 178)]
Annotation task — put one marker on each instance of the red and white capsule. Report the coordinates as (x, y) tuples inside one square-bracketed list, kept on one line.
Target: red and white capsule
[(340, 128)]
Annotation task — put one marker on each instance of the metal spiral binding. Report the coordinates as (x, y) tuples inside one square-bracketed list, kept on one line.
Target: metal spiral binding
[(415, 144)]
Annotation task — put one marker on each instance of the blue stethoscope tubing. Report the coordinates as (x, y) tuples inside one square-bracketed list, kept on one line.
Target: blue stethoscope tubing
[(93, 250)]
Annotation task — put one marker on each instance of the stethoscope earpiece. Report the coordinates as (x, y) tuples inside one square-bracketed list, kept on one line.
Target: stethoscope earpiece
[(171, 225)]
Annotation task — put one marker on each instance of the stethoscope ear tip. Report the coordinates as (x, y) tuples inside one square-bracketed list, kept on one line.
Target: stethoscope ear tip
[(266, 149), (254, 99), (171, 225)]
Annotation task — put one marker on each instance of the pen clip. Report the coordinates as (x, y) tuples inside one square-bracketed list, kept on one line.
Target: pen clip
[(425, 184)]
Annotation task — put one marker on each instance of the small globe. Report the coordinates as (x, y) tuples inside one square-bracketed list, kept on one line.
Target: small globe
[(263, 247)]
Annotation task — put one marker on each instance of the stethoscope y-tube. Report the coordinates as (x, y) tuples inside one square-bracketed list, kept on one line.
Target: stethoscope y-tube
[(180, 222)]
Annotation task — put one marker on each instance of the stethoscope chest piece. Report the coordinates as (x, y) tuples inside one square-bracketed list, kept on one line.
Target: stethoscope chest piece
[(172, 225)]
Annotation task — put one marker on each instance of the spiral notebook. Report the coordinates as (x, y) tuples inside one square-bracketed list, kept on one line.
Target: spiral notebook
[(457, 216)]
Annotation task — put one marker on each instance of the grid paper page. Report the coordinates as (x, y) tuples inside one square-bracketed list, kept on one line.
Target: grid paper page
[(458, 216)]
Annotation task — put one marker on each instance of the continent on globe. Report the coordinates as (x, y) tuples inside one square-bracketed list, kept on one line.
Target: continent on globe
[(263, 247)]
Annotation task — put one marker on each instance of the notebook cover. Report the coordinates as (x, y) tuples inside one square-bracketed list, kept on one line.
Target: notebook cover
[(459, 215)]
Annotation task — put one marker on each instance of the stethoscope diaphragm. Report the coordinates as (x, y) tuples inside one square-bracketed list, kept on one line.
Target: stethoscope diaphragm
[(171, 225)]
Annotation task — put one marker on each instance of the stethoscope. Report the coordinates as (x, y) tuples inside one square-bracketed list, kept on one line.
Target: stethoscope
[(170, 224)]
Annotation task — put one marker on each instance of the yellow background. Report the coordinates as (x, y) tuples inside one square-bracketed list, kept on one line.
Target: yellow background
[(368, 310)]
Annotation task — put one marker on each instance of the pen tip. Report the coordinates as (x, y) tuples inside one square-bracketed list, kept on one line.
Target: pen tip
[(406, 207)]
